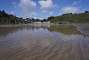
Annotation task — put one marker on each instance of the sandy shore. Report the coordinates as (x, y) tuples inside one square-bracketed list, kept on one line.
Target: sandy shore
[(83, 28), (18, 25)]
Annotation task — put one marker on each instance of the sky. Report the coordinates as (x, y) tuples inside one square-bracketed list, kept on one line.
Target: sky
[(43, 8)]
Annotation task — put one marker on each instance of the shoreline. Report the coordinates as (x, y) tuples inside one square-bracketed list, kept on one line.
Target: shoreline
[(80, 26), (19, 25)]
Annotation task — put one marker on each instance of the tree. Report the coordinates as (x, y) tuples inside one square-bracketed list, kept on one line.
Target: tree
[(49, 18), (86, 11)]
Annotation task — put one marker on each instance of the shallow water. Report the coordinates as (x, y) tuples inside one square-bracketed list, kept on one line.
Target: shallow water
[(63, 42)]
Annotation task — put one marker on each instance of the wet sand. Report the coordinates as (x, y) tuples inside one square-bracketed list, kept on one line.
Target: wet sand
[(33, 43)]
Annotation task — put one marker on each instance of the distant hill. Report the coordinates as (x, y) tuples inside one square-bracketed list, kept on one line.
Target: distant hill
[(70, 18)]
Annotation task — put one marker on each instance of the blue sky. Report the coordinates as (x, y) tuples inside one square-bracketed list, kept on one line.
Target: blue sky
[(43, 8)]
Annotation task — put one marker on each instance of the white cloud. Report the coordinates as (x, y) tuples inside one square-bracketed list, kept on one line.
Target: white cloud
[(70, 9), (12, 12), (27, 7), (47, 7), (46, 4)]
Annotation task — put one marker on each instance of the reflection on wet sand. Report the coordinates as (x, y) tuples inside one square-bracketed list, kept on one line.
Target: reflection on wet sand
[(66, 29), (43, 43)]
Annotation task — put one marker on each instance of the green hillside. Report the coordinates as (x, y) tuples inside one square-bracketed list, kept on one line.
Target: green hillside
[(70, 18)]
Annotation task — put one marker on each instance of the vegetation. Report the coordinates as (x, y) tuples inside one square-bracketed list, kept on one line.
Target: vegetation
[(6, 18), (70, 18), (66, 29)]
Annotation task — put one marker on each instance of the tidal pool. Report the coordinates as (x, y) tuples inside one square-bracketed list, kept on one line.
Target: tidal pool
[(61, 42)]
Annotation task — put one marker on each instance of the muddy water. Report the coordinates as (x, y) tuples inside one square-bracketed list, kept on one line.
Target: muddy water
[(63, 42)]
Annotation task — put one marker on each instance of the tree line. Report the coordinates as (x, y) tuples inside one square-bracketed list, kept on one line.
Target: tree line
[(6, 18)]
